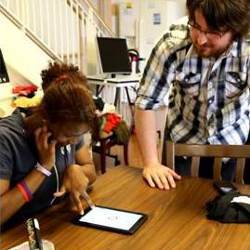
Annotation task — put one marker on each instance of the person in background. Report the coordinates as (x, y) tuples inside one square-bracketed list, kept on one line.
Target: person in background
[(204, 67), (42, 152)]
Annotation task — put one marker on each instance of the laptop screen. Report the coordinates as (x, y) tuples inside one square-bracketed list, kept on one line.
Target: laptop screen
[(113, 54), (3, 71)]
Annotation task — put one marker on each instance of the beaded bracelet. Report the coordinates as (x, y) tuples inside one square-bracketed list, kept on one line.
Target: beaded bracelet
[(24, 189)]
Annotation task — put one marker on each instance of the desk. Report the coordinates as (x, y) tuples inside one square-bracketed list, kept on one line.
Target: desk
[(117, 83), (177, 218)]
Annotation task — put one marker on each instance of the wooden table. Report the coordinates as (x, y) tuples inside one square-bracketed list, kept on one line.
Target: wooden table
[(177, 218)]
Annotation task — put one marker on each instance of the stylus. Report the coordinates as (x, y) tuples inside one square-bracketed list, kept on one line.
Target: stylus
[(88, 200)]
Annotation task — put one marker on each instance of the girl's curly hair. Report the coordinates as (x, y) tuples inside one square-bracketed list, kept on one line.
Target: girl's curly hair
[(67, 97)]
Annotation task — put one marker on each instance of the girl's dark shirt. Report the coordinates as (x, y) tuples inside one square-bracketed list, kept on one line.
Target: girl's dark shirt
[(18, 157)]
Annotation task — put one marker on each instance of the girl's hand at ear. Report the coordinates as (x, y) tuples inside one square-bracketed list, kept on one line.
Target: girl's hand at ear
[(46, 149)]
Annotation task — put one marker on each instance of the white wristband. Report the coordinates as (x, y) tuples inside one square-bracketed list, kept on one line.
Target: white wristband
[(42, 169)]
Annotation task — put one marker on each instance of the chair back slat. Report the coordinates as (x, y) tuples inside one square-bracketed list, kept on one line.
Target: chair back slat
[(171, 155), (195, 166), (217, 168), (232, 151), (239, 152), (240, 166)]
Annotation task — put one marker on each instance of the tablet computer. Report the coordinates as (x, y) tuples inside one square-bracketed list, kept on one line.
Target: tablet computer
[(111, 219)]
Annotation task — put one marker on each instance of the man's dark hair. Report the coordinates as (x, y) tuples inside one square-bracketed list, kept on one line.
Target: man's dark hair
[(222, 15)]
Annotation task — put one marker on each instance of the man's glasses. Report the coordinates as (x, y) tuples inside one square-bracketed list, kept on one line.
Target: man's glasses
[(211, 35)]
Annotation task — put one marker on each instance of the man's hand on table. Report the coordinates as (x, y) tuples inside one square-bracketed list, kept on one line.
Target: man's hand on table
[(160, 176)]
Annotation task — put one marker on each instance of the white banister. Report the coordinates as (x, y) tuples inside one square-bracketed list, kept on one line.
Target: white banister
[(61, 40), (59, 27)]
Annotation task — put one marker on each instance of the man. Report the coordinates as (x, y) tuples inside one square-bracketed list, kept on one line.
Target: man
[(207, 77)]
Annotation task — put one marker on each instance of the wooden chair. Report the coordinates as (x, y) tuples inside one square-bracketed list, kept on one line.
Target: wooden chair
[(239, 152), (103, 147)]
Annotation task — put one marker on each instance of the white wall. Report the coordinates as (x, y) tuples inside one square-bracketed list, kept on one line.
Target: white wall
[(150, 32), (146, 31)]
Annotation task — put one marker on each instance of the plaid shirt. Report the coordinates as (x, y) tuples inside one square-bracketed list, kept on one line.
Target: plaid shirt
[(208, 99)]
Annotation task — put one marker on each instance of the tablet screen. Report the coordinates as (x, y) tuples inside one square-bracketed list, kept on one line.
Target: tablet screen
[(112, 219)]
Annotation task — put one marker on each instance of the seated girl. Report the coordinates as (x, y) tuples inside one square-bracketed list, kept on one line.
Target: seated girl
[(42, 153)]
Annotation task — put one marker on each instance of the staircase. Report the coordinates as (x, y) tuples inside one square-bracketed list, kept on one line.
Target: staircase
[(62, 30), (35, 32)]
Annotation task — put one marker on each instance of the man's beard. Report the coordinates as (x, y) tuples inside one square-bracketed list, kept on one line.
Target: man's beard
[(210, 52)]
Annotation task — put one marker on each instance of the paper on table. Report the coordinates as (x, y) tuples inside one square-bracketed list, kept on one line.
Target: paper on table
[(241, 199), (47, 245)]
